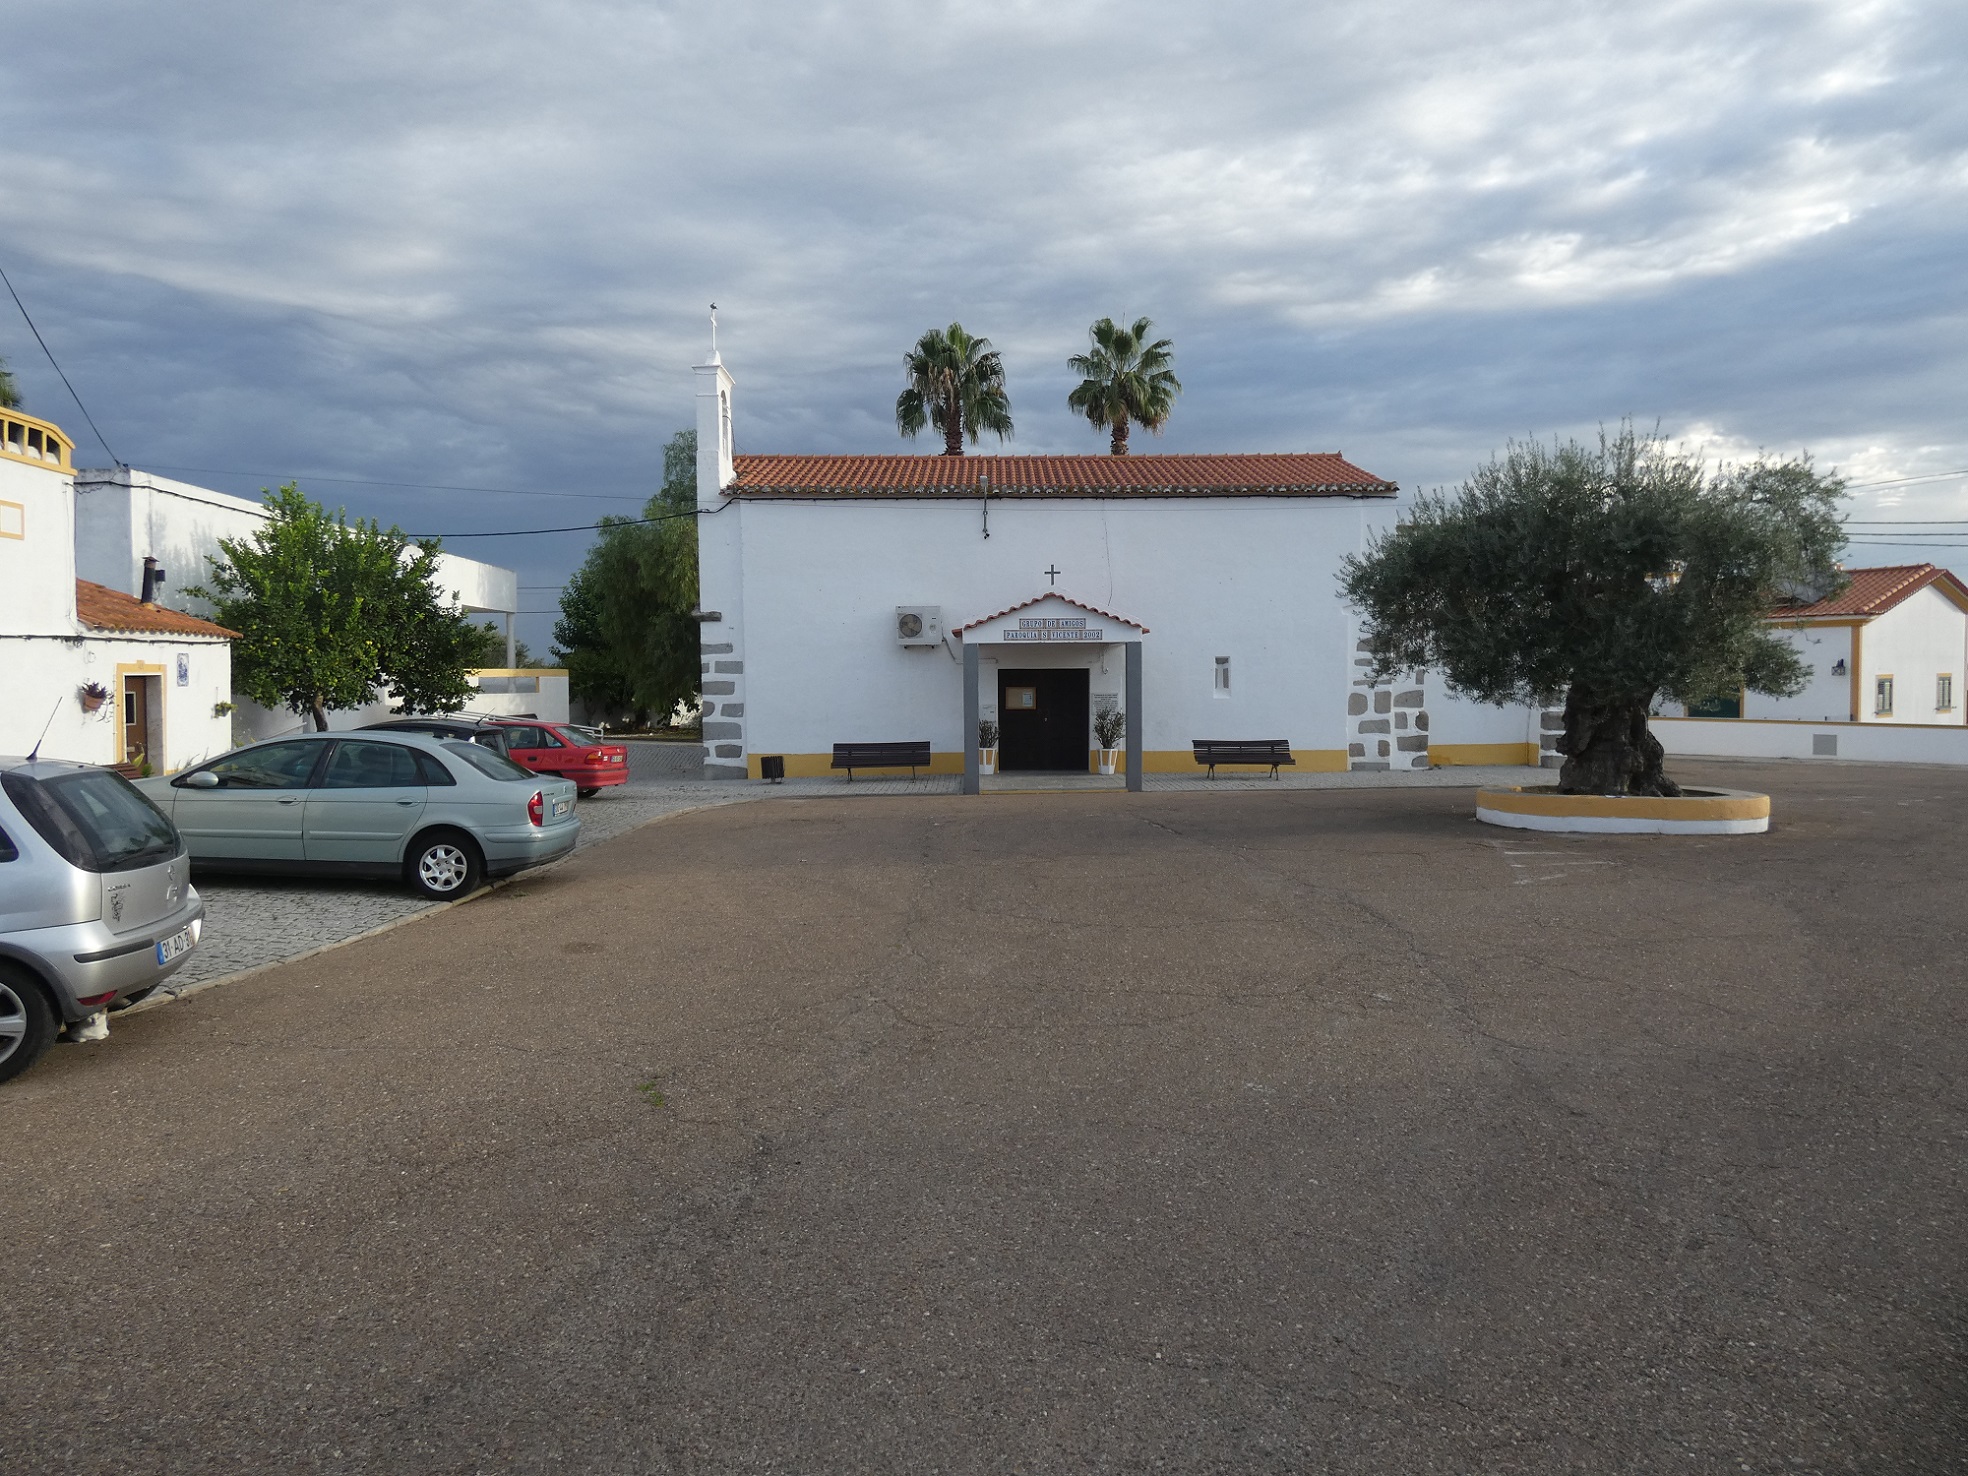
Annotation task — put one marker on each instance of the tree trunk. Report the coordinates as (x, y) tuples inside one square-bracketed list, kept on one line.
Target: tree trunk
[(1607, 747), (1119, 448), (953, 430), (319, 714)]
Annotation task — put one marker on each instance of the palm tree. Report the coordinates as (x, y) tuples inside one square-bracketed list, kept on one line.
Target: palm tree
[(956, 383), (1128, 379)]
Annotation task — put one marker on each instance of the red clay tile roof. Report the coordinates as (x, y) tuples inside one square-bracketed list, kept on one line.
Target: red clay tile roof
[(1875, 591), (110, 609), (1051, 595), (1309, 474)]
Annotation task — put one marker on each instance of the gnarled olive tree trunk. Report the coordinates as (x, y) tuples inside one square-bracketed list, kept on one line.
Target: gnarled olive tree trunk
[(1607, 747)]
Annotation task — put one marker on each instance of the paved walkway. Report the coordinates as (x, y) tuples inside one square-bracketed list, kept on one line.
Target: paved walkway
[(250, 924)]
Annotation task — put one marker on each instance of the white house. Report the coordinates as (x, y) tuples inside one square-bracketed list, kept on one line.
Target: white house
[(92, 673), (1891, 648), (124, 516), (904, 597)]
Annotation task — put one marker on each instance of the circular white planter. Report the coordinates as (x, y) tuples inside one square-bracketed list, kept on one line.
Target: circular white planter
[(1110, 760), (987, 761), (1697, 812)]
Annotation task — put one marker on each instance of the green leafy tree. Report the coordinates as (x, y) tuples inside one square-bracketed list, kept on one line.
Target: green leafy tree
[(956, 383), (9, 391), (626, 633), (328, 611), (1616, 576), (1127, 380)]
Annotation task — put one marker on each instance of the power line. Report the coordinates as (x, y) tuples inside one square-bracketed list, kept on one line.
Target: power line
[(573, 528), (51, 359), (213, 471), (1921, 477)]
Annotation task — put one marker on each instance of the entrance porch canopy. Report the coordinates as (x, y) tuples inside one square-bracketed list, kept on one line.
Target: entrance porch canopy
[(1047, 622)]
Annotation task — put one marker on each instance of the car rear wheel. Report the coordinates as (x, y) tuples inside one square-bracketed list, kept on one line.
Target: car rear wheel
[(445, 864), (591, 792), (27, 1023)]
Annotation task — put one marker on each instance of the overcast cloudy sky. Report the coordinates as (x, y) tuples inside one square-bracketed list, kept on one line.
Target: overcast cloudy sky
[(473, 243)]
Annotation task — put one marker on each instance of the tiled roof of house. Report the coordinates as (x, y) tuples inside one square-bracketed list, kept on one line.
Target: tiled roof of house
[(1307, 474), (1875, 591), (110, 609)]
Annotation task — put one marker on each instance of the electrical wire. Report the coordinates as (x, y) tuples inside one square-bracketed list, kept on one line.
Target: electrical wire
[(213, 471), (51, 359), (573, 528)]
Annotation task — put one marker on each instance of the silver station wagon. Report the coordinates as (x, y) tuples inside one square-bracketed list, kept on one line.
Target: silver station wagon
[(96, 902), (439, 813)]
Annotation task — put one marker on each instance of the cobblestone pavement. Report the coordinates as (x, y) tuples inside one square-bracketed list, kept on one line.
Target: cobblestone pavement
[(252, 923)]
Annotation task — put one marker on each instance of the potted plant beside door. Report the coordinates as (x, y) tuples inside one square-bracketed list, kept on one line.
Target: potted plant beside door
[(1109, 728), (987, 747), (93, 696)]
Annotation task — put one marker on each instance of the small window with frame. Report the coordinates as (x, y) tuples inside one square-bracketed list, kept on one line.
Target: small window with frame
[(1220, 681), (1882, 696), (1944, 692)]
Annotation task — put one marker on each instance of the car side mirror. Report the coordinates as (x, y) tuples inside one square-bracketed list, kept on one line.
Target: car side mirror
[(201, 779)]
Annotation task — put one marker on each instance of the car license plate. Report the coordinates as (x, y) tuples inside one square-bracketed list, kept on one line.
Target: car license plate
[(177, 944), (560, 807)]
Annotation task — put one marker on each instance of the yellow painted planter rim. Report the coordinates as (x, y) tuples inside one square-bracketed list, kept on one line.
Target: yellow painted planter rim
[(1716, 804)]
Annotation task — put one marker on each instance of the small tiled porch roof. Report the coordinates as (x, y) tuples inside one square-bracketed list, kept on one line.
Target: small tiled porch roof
[(102, 608)]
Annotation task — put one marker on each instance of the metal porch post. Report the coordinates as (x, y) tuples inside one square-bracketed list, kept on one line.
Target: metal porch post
[(1134, 717), (971, 780)]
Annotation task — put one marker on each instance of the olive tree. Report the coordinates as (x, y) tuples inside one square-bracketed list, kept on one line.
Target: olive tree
[(1614, 576)]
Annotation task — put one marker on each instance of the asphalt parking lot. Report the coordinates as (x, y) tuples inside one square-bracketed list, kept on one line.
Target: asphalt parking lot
[(1258, 1131)]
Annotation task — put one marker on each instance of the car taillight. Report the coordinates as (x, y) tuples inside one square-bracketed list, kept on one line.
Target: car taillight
[(536, 808), (596, 756)]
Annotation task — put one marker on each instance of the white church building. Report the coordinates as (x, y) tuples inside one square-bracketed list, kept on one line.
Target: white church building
[(906, 598)]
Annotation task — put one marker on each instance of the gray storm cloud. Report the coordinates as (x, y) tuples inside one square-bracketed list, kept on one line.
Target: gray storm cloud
[(475, 243)]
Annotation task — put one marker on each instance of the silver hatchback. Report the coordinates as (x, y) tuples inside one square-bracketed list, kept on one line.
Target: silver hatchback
[(96, 902), (440, 814)]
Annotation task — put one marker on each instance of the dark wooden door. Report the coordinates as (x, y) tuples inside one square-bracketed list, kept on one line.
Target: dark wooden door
[(136, 719), (1050, 732)]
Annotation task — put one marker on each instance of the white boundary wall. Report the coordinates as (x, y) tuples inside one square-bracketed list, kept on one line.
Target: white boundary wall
[(1892, 743)]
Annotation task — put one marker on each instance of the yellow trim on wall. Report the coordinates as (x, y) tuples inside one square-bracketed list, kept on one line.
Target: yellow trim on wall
[(142, 669), (1634, 807), (21, 508), (49, 431), (1153, 761), (1453, 755)]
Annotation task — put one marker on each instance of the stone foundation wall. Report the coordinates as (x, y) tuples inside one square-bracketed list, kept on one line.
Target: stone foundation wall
[(724, 712), (1386, 722)]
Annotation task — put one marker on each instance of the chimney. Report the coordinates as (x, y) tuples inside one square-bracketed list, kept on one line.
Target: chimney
[(153, 577)]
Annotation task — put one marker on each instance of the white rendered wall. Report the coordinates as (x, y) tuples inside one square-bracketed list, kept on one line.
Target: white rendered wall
[(1254, 579), (1828, 695), (49, 673), (122, 515), (37, 568), (1909, 743), (1914, 642)]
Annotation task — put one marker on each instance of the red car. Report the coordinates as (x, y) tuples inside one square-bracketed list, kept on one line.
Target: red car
[(558, 748)]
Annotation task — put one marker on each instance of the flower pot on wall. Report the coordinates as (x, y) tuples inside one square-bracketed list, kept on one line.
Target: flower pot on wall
[(93, 697), (1110, 760)]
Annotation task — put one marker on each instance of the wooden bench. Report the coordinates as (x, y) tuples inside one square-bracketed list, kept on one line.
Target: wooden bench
[(1213, 751), (852, 756)]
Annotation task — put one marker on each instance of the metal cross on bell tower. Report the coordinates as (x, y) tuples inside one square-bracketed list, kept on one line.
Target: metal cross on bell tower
[(1052, 574)]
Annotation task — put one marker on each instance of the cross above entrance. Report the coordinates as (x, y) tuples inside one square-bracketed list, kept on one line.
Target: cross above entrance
[(1052, 574)]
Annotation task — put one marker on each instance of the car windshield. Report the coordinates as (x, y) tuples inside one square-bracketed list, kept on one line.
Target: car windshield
[(94, 819), (492, 765)]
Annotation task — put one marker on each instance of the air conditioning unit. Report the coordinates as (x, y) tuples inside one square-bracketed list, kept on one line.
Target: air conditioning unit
[(919, 625)]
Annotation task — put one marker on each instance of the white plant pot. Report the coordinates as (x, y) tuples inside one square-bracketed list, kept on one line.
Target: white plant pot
[(1110, 760), (987, 761)]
